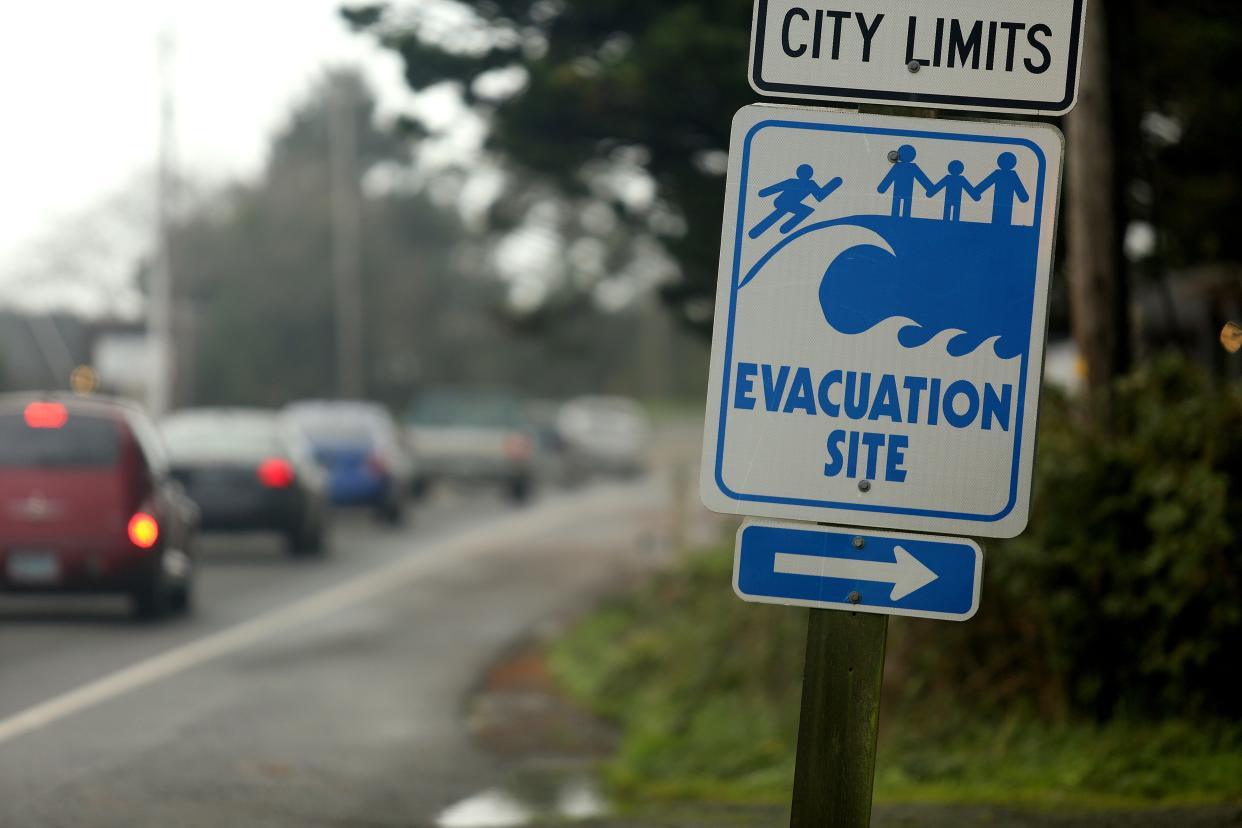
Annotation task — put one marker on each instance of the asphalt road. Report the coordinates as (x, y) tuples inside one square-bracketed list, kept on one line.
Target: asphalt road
[(300, 693)]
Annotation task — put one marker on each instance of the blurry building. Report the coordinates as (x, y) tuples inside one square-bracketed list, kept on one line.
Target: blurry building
[(1187, 312), (41, 351)]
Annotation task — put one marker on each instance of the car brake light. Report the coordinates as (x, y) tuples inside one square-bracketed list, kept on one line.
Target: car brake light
[(46, 415), (144, 531), (276, 473), (517, 446), (376, 464)]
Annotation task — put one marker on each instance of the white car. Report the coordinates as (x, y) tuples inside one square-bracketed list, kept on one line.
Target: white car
[(471, 437), (604, 435)]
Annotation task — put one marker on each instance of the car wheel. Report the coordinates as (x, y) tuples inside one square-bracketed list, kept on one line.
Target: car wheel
[(392, 512), (152, 599), (519, 489), (307, 543), (182, 599)]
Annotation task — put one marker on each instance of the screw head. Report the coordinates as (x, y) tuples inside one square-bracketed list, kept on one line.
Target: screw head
[(859, 543), (914, 66), (864, 485), (854, 597), (893, 156)]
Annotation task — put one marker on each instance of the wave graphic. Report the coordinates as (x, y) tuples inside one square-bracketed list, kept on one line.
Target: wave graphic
[(964, 284)]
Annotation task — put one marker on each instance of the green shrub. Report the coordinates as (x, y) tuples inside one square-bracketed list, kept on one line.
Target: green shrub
[(1124, 596), (1100, 668)]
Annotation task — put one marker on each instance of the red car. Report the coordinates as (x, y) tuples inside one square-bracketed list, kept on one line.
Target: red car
[(87, 504)]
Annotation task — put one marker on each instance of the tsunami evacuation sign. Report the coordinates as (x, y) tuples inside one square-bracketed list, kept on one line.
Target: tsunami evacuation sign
[(880, 320)]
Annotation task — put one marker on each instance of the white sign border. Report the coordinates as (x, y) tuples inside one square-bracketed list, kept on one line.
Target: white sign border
[(754, 75), (1009, 523)]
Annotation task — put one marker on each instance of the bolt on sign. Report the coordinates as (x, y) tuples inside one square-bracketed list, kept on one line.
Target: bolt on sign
[(880, 320), (1019, 56)]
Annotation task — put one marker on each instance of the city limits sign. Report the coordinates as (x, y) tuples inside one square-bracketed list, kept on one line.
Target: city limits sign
[(1019, 56), (880, 320)]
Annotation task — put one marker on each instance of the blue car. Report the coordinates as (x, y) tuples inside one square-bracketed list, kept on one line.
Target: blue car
[(360, 447)]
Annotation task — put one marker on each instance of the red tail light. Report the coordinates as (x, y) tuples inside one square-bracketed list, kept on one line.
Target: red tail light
[(276, 473), (45, 415), (517, 446), (144, 531), (376, 464)]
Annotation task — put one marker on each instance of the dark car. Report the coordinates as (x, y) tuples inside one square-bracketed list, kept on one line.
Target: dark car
[(249, 470), (363, 451), (87, 504)]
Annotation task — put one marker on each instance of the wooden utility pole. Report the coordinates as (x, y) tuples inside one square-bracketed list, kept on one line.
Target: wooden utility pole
[(346, 240), (835, 769), (161, 339), (1097, 309)]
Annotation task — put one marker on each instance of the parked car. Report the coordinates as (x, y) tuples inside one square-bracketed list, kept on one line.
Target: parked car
[(604, 435), (87, 504), (363, 451), (250, 470), (471, 437)]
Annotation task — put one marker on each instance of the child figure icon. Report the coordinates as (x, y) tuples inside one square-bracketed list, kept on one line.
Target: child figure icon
[(790, 195), (954, 185)]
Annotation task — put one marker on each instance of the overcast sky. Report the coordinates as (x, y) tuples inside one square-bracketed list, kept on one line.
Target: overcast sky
[(80, 88)]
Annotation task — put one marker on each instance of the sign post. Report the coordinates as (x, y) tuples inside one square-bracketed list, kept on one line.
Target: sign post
[(879, 333), (840, 717)]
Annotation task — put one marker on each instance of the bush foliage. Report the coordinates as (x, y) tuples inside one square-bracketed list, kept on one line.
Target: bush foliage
[(1124, 596), (1112, 623)]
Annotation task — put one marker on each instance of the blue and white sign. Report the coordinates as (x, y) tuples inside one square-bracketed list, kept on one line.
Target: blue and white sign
[(880, 320), (797, 564)]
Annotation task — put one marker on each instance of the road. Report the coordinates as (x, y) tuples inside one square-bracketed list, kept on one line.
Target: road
[(300, 693)]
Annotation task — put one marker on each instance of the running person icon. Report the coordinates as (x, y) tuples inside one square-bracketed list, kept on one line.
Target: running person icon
[(790, 195), (1006, 185), (901, 178), (954, 185)]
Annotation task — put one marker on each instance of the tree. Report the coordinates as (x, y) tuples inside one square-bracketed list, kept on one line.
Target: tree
[(664, 77), (257, 301), (255, 267), (1098, 300), (607, 83)]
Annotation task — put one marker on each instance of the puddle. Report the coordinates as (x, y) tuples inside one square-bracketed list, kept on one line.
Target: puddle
[(493, 808), (581, 800), (532, 797)]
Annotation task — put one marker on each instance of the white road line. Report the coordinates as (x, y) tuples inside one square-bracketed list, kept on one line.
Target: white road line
[(472, 544)]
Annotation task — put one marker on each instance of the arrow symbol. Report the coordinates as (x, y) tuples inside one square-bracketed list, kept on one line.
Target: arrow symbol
[(907, 574)]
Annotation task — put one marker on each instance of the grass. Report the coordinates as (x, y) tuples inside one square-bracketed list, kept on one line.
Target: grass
[(705, 690)]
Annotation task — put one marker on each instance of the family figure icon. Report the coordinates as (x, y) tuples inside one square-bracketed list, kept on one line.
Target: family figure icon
[(1004, 182)]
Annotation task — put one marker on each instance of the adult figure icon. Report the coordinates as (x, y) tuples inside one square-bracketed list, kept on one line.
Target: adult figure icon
[(1006, 185), (901, 179), (790, 195)]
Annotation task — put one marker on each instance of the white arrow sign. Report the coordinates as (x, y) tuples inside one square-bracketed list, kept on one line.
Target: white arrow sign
[(907, 574)]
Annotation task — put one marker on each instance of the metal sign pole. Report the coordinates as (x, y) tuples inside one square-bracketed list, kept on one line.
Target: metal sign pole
[(840, 717)]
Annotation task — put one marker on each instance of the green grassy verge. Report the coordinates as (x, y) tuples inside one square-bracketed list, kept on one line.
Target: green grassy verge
[(705, 690)]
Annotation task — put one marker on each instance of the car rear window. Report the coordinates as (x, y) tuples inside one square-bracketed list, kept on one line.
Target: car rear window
[(81, 441), (477, 411), (212, 437), (336, 426)]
